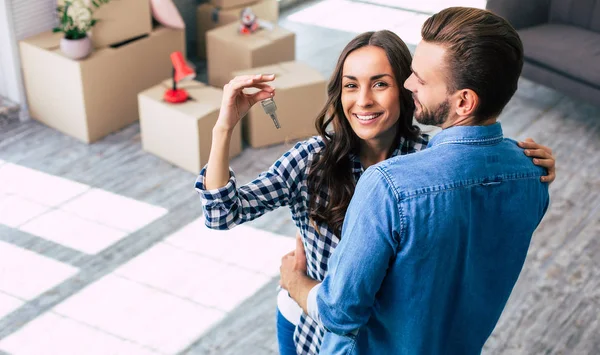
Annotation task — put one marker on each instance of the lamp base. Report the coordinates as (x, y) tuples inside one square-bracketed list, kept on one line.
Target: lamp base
[(175, 96)]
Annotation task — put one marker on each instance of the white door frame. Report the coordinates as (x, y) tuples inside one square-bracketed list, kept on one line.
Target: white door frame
[(10, 65)]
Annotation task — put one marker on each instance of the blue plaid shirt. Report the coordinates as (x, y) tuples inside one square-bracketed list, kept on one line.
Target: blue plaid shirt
[(285, 184)]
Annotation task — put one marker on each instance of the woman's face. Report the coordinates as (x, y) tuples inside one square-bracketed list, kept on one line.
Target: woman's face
[(370, 94)]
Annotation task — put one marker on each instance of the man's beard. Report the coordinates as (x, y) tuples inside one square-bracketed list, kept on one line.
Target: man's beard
[(435, 117)]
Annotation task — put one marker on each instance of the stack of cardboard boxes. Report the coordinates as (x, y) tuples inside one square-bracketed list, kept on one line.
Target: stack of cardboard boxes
[(300, 90), (230, 51), (222, 12), (182, 133), (93, 97)]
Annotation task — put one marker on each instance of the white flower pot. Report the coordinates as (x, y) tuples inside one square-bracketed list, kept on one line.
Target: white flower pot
[(76, 48)]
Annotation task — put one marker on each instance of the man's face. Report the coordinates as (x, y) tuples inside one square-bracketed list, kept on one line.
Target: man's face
[(428, 85)]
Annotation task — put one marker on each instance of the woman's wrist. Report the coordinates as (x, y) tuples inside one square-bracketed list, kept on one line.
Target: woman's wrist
[(222, 130)]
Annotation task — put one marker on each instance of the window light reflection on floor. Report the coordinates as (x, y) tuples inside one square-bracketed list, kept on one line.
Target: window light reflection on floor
[(403, 17), (67, 212), (25, 274)]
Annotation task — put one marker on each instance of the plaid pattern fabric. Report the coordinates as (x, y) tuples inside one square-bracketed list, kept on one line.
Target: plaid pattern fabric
[(285, 184)]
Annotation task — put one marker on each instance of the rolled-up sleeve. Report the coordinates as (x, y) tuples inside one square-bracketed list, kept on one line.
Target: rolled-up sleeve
[(357, 268), (219, 205), (216, 196), (229, 205)]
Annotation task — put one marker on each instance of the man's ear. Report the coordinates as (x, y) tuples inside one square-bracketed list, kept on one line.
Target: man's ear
[(466, 102)]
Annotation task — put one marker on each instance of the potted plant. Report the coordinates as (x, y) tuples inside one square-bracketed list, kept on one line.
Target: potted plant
[(75, 20)]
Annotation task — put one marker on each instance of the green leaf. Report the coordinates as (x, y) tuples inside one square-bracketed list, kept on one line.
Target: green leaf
[(65, 17), (98, 3)]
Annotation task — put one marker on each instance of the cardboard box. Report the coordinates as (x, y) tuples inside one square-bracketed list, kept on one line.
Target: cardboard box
[(300, 94), (119, 20), (229, 51), (182, 133), (210, 17), (228, 4), (93, 97)]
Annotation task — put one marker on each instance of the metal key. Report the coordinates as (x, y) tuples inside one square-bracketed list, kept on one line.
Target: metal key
[(270, 108)]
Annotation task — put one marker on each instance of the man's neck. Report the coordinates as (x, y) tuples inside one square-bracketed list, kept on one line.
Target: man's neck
[(467, 121)]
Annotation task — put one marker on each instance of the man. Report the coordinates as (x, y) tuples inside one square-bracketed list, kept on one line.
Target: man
[(433, 242)]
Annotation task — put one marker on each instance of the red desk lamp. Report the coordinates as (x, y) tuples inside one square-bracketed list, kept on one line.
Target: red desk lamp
[(181, 71)]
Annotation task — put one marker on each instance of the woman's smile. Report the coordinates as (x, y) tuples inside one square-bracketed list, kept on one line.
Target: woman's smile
[(367, 117)]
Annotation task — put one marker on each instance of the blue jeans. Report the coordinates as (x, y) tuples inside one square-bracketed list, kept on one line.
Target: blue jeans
[(285, 335)]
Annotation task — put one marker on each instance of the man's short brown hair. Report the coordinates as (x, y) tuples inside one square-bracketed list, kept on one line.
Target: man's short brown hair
[(483, 53)]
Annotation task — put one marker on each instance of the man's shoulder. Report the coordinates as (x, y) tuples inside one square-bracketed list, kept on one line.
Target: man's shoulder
[(416, 158), (454, 165), (404, 172)]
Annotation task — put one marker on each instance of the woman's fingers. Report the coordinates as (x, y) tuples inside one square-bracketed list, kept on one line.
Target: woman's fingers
[(531, 144), (235, 103), (542, 156), (246, 81), (262, 86), (237, 87), (290, 254), (538, 153), (546, 163), (259, 96), (549, 165), (300, 254), (239, 83), (548, 178), (528, 142), (256, 77), (299, 243)]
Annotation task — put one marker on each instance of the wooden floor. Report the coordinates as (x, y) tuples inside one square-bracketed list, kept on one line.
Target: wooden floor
[(554, 308)]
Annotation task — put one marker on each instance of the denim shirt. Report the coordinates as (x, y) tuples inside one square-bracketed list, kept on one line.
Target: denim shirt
[(431, 247)]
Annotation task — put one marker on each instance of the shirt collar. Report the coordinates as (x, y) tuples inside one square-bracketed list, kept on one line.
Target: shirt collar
[(398, 149), (474, 135)]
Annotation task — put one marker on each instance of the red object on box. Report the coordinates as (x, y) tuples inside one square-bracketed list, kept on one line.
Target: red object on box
[(181, 71)]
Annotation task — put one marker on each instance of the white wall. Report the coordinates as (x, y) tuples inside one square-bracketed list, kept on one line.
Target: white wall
[(20, 19), (3, 87), (31, 17), (9, 78)]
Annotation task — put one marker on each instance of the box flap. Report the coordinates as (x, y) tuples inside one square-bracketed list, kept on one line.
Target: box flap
[(287, 74), (209, 15), (267, 10), (230, 33), (46, 40), (51, 42)]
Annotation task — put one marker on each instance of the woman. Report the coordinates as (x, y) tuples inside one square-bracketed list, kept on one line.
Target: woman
[(371, 114)]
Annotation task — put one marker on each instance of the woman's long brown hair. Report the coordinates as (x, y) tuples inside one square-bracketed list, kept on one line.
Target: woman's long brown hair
[(330, 180)]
